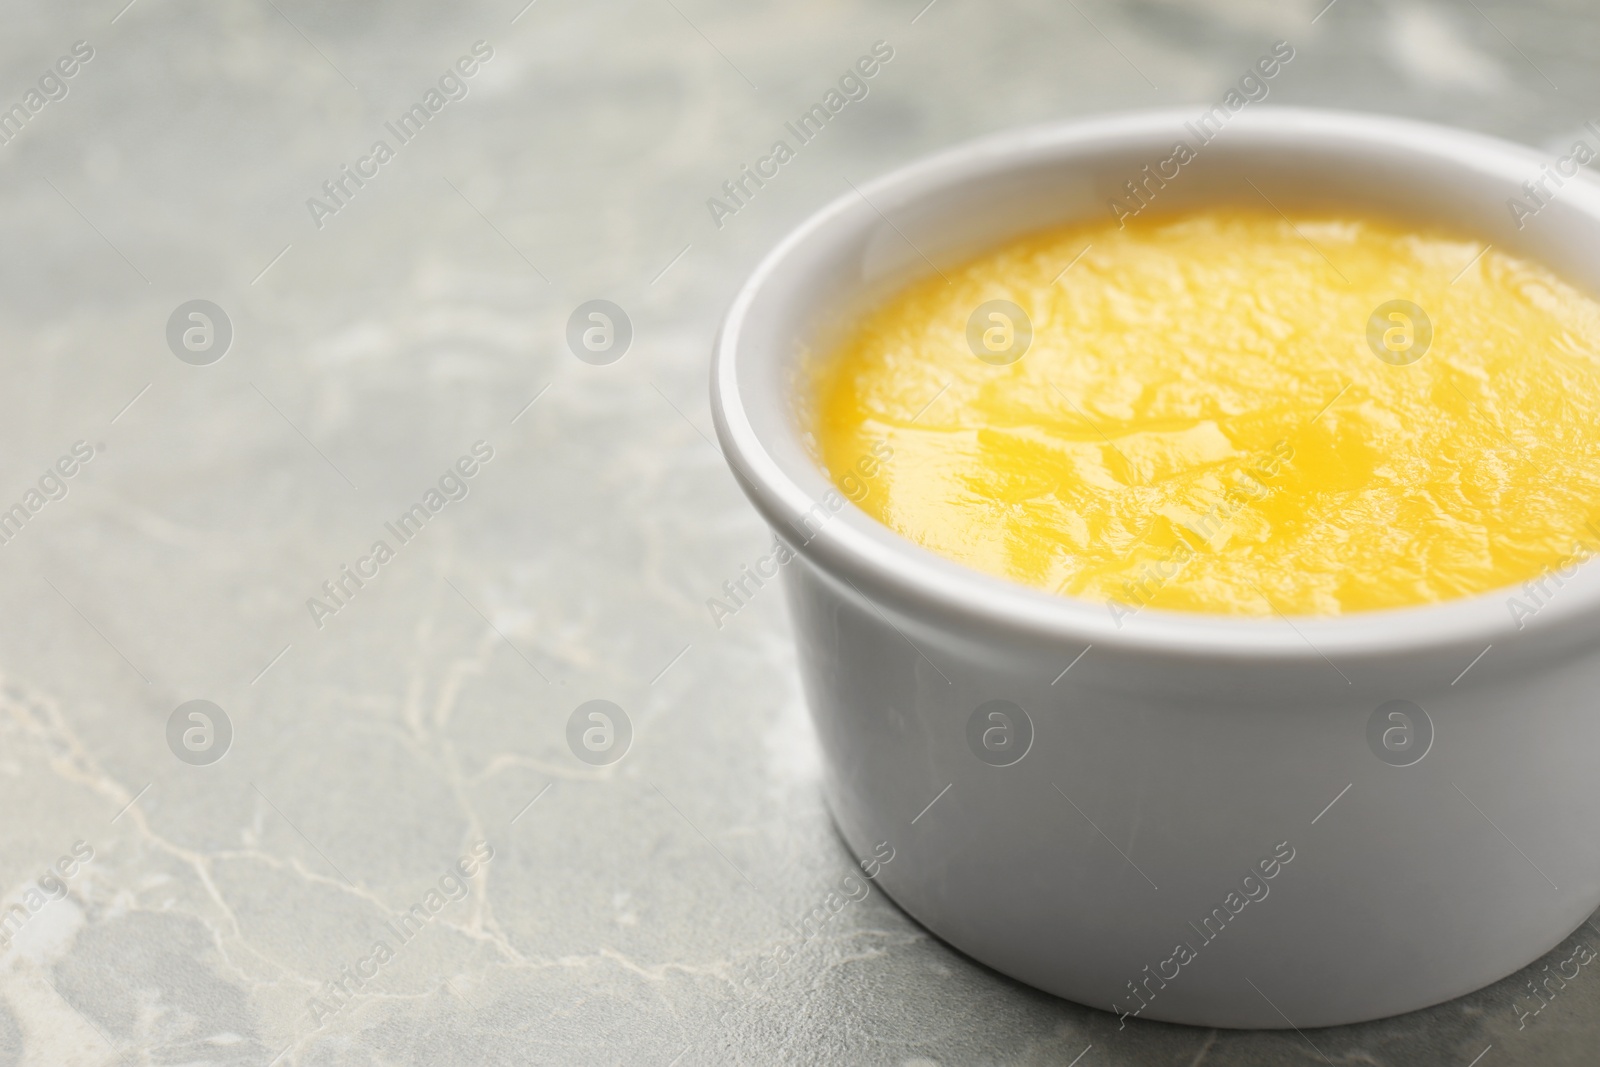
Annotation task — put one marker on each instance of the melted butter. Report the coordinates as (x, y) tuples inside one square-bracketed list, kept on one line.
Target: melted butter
[(1200, 422)]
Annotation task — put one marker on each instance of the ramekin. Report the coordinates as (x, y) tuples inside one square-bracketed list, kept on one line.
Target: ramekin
[(1181, 757)]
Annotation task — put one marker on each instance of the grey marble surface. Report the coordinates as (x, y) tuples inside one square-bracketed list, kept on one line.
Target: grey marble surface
[(375, 747)]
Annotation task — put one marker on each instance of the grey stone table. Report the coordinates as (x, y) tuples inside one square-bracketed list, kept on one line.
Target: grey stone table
[(395, 763)]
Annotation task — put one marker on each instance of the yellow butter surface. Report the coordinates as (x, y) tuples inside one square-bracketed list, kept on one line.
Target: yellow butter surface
[(1230, 412)]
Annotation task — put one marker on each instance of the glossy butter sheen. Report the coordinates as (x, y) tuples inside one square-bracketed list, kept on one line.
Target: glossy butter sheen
[(1200, 423)]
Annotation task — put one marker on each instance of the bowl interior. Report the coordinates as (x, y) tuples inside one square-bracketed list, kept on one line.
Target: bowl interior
[(881, 236)]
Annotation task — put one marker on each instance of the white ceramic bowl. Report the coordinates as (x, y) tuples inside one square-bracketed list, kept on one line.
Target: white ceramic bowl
[(1184, 757)]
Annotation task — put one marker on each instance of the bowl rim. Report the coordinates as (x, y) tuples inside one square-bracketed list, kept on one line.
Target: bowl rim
[(929, 589)]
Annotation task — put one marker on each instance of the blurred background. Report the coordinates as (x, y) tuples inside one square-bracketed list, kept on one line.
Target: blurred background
[(408, 764)]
